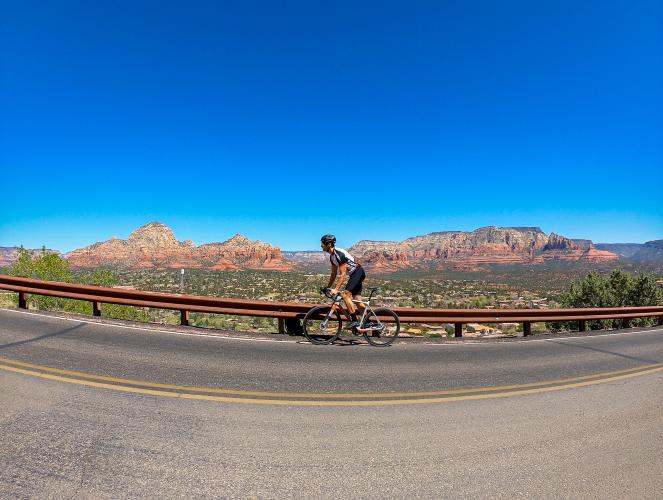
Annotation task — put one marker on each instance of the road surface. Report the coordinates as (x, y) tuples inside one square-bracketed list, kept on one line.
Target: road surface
[(110, 411)]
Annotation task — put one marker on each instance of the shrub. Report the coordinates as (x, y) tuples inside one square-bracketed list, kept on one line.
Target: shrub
[(50, 266), (618, 289)]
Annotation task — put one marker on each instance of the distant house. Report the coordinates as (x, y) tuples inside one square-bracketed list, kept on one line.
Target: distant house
[(660, 283)]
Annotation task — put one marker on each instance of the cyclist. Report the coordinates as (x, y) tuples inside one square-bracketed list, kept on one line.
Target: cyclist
[(342, 260)]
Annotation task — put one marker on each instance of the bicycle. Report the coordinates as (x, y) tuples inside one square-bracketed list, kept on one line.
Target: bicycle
[(323, 324)]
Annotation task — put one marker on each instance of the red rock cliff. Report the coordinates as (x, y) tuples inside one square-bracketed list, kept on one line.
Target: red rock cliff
[(155, 246), (471, 250)]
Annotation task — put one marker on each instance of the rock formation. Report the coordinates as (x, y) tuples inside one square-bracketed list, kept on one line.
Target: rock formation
[(306, 258), (473, 250), (8, 255), (155, 246), (598, 256)]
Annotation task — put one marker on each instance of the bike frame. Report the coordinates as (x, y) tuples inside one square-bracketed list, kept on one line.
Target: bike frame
[(367, 307), (375, 331)]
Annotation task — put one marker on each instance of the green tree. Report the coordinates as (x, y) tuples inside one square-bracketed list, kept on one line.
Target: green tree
[(645, 291), (99, 277), (619, 285), (50, 266), (591, 291), (42, 265), (619, 289)]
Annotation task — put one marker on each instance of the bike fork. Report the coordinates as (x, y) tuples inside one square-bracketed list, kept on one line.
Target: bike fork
[(327, 317)]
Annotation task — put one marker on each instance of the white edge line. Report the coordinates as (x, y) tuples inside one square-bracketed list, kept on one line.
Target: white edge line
[(147, 329), (230, 337)]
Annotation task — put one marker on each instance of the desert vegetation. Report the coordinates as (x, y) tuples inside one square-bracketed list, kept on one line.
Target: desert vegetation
[(506, 286)]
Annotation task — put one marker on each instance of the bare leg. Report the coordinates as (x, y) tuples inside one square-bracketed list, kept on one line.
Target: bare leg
[(360, 307), (347, 298)]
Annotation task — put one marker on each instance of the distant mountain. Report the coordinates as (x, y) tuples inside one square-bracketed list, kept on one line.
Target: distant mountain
[(473, 250), (154, 246), (623, 249), (305, 258), (9, 255), (650, 253)]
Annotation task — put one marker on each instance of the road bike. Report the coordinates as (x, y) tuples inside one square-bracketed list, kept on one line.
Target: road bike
[(324, 324)]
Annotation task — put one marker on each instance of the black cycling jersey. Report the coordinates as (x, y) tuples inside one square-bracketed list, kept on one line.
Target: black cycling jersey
[(340, 256)]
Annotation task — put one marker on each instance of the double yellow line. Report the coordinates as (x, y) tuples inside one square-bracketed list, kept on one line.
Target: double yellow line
[(318, 399)]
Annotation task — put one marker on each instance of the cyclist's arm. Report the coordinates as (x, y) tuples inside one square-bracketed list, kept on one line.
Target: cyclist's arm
[(332, 277), (341, 279)]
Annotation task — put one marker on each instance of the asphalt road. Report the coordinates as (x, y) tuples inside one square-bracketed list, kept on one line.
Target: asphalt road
[(92, 410)]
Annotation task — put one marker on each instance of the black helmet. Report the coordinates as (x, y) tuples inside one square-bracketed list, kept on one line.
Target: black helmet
[(328, 238)]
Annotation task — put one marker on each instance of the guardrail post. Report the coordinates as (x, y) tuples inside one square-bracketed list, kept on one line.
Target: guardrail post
[(582, 325), (626, 323), (184, 318), (458, 330), (281, 325), (660, 321), (527, 328), (22, 300), (96, 310)]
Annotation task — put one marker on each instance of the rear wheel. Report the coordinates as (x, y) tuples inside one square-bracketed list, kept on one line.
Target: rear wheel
[(384, 327), (321, 325)]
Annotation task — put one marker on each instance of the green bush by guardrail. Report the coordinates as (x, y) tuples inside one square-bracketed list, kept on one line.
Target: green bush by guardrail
[(618, 289)]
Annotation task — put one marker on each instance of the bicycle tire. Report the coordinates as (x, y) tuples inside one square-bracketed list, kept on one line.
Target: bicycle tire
[(391, 329), (312, 326)]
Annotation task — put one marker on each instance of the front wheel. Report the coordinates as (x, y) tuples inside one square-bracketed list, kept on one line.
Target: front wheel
[(322, 325), (384, 327)]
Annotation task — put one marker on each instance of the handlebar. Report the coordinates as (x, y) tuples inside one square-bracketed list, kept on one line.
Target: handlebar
[(327, 292)]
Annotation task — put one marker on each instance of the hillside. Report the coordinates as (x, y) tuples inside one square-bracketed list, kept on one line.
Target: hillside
[(155, 246), (474, 250), (623, 249), (651, 253)]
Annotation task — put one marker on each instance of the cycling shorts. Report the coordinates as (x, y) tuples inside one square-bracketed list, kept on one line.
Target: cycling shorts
[(356, 280)]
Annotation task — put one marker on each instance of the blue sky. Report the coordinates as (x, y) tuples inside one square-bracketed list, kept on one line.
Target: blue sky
[(371, 120)]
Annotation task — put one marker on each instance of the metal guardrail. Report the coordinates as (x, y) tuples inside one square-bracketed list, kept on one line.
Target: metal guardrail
[(283, 311)]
